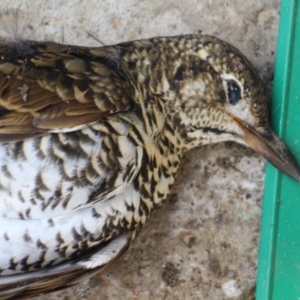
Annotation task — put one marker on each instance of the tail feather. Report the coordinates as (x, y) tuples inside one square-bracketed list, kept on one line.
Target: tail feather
[(31, 284)]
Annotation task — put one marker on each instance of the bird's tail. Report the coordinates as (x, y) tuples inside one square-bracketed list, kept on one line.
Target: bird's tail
[(66, 274)]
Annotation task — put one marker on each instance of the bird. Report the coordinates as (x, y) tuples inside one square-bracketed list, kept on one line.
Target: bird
[(91, 139)]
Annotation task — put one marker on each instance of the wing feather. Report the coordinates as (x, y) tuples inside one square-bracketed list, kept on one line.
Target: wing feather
[(46, 87)]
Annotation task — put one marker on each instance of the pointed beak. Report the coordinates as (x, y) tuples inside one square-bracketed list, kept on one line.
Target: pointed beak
[(271, 148)]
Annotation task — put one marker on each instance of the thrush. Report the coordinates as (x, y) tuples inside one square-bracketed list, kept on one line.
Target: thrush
[(91, 140)]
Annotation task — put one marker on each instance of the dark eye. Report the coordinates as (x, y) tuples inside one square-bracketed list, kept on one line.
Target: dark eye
[(234, 92)]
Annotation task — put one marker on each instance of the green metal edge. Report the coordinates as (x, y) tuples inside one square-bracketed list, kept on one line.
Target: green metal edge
[(279, 253)]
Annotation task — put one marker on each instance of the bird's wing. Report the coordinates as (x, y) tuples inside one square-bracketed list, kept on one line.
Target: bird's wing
[(30, 284), (49, 87)]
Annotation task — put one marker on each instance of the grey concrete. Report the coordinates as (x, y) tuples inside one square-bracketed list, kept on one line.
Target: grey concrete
[(202, 243)]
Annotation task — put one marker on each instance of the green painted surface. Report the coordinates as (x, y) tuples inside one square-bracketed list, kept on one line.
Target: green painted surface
[(279, 255)]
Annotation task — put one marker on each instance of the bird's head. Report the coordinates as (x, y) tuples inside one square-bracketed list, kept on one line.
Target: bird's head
[(214, 94)]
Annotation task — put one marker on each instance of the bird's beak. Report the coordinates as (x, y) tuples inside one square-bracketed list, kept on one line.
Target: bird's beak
[(270, 147)]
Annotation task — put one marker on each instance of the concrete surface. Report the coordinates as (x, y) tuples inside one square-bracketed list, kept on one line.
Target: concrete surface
[(202, 243)]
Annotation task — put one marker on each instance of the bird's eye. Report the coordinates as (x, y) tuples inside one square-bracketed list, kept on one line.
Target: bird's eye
[(233, 92)]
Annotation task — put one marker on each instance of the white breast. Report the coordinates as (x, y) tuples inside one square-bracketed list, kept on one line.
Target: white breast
[(46, 224)]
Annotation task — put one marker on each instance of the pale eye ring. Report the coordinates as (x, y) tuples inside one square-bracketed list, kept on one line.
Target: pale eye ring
[(234, 92)]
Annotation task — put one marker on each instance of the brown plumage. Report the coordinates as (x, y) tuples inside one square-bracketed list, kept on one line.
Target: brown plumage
[(99, 134)]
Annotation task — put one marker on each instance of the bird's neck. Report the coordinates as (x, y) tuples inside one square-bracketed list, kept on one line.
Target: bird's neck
[(163, 151), (157, 175)]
